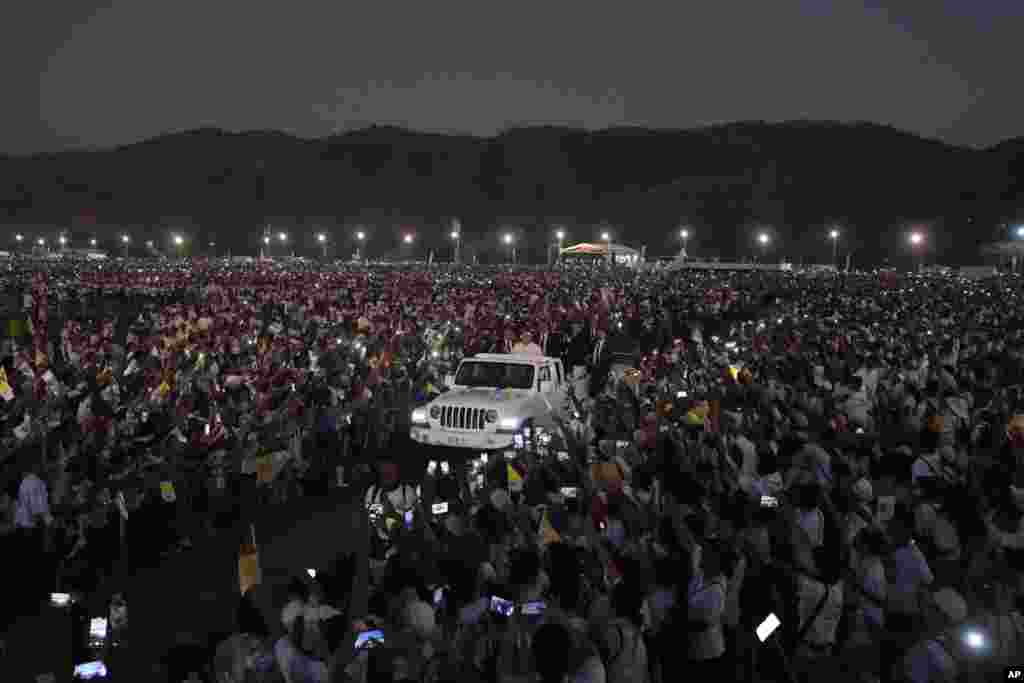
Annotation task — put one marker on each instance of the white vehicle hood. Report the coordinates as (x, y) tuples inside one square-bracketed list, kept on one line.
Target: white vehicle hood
[(484, 398)]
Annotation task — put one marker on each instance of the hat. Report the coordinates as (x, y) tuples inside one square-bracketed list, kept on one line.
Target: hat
[(951, 604), (419, 616)]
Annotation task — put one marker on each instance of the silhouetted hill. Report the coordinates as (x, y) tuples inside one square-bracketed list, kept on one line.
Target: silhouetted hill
[(725, 180)]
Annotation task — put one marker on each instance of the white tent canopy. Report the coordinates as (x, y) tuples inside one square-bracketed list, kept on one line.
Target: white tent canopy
[(620, 253)]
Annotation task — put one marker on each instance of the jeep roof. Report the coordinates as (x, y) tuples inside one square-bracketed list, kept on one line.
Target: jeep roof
[(523, 358)]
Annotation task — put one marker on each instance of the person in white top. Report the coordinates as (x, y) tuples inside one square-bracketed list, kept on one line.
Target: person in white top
[(33, 506), (32, 520), (527, 345)]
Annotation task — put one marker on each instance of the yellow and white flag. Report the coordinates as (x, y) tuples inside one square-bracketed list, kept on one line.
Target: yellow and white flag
[(6, 392), (515, 480)]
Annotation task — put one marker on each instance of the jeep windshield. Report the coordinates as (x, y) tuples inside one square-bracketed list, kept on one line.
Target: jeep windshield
[(504, 375)]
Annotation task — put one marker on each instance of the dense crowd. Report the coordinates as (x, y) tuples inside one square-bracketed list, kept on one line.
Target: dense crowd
[(762, 477)]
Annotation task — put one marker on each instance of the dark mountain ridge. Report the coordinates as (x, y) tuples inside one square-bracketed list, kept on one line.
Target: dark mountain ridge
[(727, 181)]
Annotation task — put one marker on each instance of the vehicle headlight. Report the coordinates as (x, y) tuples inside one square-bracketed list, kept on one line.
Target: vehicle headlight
[(419, 415), (491, 416), (435, 412), (510, 423)]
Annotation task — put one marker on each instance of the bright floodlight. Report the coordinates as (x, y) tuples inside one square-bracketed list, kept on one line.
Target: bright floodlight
[(321, 238), (507, 238), (41, 241), (455, 234), (684, 233), (63, 240), (179, 240), (281, 236), (126, 239), (834, 234), (560, 234), (763, 238), (149, 243), (19, 237), (1020, 231), (360, 235), (408, 239), (974, 640), (266, 239), (916, 238), (92, 242), (606, 236)]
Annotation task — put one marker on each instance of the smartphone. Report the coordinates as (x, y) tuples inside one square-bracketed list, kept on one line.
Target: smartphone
[(768, 627), (439, 596), (483, 458), (439, 508), (563, 456), (769, 502), (369, 639), (445, 467), (860, 430), (621, 444), (431, 467), (408, 519), (97, 631), (510, 455), (602, 526), (90, 671), (535, 608), (312, 573), (60, 599), (501, 606), (569, 491)]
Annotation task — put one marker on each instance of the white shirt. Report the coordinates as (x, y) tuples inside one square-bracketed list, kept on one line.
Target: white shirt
[(707, 604), (33, 501), (813, 524), (910, 573)]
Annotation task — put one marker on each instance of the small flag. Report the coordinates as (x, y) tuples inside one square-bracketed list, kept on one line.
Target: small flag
[(6, 392), (515, 480), (265, 469), (249, 572), (548, 535)]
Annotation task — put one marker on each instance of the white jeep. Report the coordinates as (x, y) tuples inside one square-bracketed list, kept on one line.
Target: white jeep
[(490, 399)]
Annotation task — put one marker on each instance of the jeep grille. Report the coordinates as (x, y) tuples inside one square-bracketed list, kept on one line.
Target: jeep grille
[(462, 417)]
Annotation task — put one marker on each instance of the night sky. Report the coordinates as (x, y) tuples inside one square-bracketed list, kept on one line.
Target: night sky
[(99, 74)]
